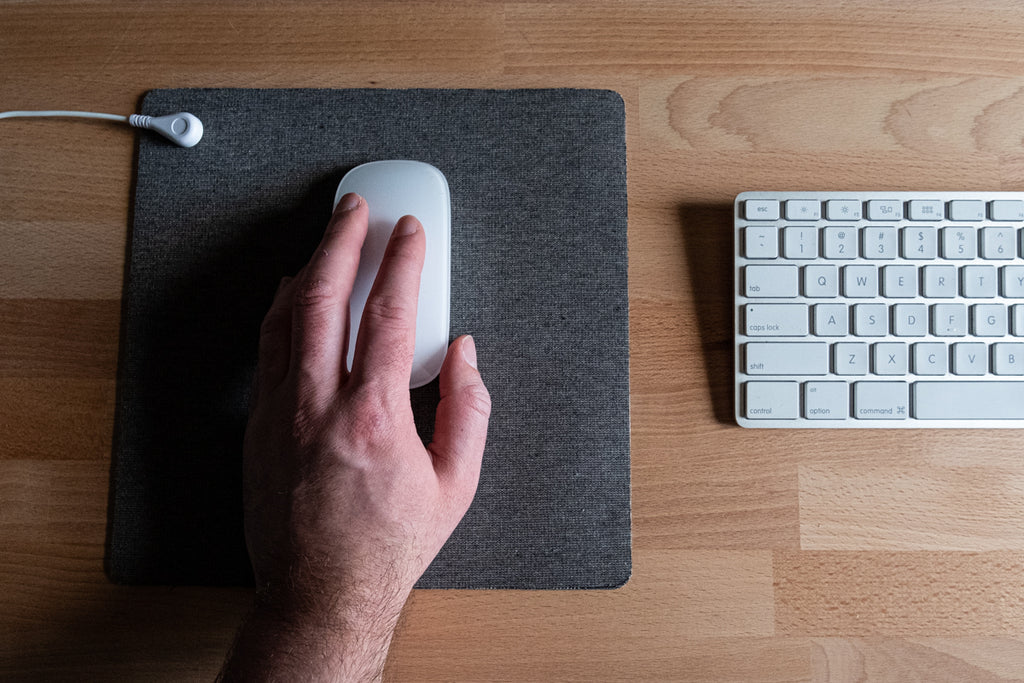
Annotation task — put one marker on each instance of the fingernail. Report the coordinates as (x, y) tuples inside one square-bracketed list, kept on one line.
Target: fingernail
[(469, 351), (349, 201), (406, 225)]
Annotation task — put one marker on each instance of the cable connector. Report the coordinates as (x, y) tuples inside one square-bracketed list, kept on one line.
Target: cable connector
[(182, 128)]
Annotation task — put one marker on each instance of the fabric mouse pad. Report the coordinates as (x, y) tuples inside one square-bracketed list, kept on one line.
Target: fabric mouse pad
[(538, 186)]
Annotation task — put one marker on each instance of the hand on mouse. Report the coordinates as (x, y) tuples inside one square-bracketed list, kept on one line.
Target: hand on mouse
[(344, 506)]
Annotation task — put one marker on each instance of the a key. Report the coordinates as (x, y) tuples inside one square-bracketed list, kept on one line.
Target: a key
[(821, 282), (988, 320), (924, 210), (761, 209), (879, 242), (885, 210), (772, 400), (761, 241), (800, 243), (826, 400), (771, 281), (839, 243), (959, 243), (803, 210), (978, 282), (786, 358), (880, 400), (776, 320), (968, 400), (889, 358), (930, 358), (970, 358), (966, 210), (949, 320), (920, 243), (850, 358), (1006, 210)]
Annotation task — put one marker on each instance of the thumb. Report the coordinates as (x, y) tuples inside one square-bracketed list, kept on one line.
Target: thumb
[(460, 426)]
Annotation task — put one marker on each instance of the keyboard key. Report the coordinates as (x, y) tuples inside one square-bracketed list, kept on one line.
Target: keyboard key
[(1006, 210), (786, 358), (761, 209), (998, 243), (830, 320), (988, 320), (826, 400), (879, 242), (979, 282), (761, 242), (885, 210), (860, 282), (842, 210), (800, 243), (772, 400), (949, 320), (939, 282), (968, 400), (850, 358), (924, 210), (1017, 320), (776, 320), (870, 320), (840, 243), (1013, 281), (966, 210), (1008, 358), (930, 358), (889, 358), (910, 320), (970, 358), (880, 400), (771, 281), (899, 282), (821, 282), (959, 243), (803, 210), (920, 243)]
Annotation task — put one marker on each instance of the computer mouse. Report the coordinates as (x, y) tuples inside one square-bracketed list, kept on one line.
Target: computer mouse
[(392, 189)]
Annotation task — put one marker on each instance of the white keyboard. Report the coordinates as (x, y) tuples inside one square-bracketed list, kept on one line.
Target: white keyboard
[(888, 309)]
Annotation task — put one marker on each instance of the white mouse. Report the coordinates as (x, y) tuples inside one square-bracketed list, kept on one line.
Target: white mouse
[(393, 189)]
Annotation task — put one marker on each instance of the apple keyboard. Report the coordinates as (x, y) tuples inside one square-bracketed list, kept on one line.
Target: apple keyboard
[(879, 309)]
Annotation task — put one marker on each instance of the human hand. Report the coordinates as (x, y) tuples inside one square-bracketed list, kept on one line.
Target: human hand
[(344, 506)]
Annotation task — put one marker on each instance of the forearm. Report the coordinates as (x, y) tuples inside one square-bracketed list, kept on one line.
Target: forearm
[(342, 642)]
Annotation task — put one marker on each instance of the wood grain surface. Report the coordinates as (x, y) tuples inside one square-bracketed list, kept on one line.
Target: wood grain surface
[(758, 556)]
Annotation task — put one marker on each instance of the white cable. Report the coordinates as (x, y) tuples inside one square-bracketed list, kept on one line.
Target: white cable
[(75, 114), (182, 128)]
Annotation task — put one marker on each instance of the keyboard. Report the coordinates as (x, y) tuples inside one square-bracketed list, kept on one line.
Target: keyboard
[(887, 309)]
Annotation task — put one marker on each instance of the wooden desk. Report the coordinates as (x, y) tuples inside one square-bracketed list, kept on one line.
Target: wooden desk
[(758, 556)]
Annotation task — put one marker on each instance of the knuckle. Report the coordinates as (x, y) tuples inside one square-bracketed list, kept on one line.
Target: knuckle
[(371, 417), (388, 311), (478, 400), (315, 292)]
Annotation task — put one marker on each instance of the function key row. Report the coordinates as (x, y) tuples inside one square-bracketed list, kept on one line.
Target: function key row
[(966, 210)]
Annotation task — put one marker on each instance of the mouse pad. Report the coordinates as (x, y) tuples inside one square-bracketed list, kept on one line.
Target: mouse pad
[(538, 187)]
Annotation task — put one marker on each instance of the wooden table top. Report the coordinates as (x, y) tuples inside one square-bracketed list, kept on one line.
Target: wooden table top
[(758, 555)]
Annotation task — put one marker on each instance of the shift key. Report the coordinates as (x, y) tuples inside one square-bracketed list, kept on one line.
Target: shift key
[(786, 358)]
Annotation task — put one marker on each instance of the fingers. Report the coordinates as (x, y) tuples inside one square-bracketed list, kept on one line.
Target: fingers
[(387, 332), (321, 295), (460, 427)]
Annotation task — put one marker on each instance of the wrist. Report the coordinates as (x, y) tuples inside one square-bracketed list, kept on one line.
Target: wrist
[(342, 635)]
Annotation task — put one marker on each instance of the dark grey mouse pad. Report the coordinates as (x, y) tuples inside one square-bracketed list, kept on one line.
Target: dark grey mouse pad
[(538, 186)]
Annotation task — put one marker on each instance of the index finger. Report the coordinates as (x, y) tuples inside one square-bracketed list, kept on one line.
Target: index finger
[(387, 332)]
